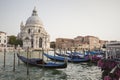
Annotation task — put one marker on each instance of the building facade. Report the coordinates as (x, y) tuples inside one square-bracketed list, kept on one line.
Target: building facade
[(64, 43), (3, 40), (113, 49), (80, 42), (92, 41), (33, 33)]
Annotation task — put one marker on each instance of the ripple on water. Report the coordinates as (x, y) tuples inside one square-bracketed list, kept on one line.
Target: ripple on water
[(80, 71)]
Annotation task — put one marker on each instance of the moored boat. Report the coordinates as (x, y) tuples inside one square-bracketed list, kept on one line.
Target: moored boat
[(62, 59), (40, 63), (72, 55)]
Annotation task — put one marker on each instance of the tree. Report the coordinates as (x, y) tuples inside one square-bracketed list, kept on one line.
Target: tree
[(14, 41), (19, 42)]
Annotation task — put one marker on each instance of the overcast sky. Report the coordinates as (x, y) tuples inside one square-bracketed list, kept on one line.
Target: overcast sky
[(65, 18)]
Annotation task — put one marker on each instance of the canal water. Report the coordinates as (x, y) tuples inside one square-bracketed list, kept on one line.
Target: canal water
[(79, 71)]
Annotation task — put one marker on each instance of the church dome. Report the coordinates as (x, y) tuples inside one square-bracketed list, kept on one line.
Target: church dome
[(33, 19)]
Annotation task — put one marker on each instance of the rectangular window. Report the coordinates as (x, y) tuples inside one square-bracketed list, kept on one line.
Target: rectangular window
[(0, 41)]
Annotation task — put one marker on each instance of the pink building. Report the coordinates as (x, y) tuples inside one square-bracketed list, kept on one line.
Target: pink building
[(80, 42)]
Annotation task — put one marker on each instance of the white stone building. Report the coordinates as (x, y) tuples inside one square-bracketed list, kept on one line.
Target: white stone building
[(113, 49), (3, 40), (113, 44), (33, 33)]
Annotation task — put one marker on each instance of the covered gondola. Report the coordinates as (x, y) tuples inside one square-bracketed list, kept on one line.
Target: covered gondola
[(62, 59), (40, 63), (72, 55)]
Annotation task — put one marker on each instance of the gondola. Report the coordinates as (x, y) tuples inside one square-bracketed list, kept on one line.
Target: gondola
[(40, 63), (72, 55), (64, 55), (61, 58)]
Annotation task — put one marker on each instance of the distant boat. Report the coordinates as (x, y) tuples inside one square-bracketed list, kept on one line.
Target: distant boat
[(62, 59), (72, 55), (94, 56), (40, 63)]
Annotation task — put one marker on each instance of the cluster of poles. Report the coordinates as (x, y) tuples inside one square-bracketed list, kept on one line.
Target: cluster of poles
[(109, 55), (14, 58), (28, 55)]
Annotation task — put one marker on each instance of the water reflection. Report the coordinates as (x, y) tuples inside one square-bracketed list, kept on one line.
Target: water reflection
[(35, 74)]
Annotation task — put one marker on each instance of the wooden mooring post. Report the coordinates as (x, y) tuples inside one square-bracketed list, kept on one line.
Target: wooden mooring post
[(39, 53), (42, 53), (14, 62), (27, 61), (54, 54), (4, 57), (18, 59), (43, 57), (47, 53), (30, 53)]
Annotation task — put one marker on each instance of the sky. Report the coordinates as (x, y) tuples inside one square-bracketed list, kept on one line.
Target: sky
[(65, 18)]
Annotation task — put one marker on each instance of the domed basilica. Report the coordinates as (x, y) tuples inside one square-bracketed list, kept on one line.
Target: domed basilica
[(33, 33)]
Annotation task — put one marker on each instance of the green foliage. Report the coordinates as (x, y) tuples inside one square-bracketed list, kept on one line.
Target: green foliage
[(19, 42), (14, 41)]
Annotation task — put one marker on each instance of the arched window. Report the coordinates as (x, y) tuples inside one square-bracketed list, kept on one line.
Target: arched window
[(32, 43), (4, 41), (27, 38), (39, 30), (40, 42), (29, 31)]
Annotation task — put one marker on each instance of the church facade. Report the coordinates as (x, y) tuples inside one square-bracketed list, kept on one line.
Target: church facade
[(33, 33)]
